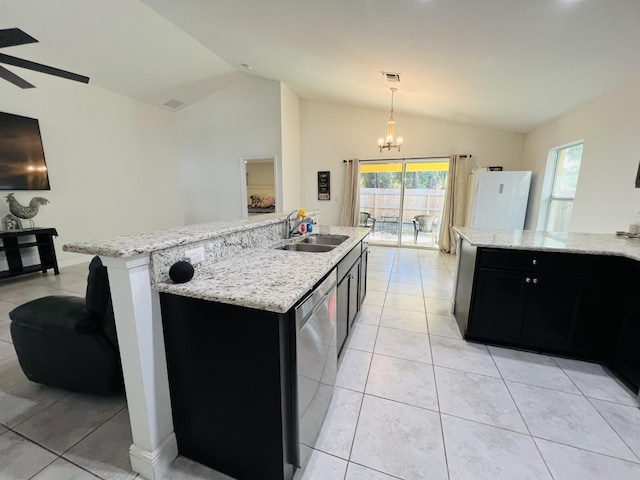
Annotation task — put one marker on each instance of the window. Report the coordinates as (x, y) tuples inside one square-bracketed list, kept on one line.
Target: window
[(566, 167)]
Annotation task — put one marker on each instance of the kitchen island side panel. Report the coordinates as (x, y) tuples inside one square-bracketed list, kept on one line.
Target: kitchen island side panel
[(231, 386)]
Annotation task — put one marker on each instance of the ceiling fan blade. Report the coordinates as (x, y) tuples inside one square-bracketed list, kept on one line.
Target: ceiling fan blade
[(13, 78), (38, 67), (10, 37)]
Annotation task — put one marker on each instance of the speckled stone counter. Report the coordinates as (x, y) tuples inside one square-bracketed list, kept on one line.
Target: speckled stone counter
[(242, 267), (265, 278), (147, 242), (588, 243)]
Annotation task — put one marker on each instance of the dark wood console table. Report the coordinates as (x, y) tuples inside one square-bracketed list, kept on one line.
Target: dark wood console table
[(11, 246)]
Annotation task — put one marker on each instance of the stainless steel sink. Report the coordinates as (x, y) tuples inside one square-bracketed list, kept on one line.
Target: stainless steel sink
[(306, 247), (320, 239)]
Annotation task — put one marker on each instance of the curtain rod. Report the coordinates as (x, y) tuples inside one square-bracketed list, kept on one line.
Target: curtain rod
[(407, 158)]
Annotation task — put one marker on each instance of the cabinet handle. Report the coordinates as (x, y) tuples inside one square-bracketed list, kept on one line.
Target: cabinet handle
[(535, 262), (535, 280), (528, 280)]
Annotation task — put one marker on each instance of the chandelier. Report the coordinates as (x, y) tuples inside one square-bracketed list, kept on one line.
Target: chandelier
[(390, 141)]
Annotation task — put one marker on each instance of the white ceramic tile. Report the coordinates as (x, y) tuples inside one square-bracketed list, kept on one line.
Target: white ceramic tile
[(462, 355), (25, 399), (105, 452), (7, 351), (624, 419), (5, 330), (404, 320), (358, 472), (362, 337), (439, 281), (404, 302), (186, 469), (406, 277), (323, 466), (405, 289), (483, 452), (370, 314), (20, 458), (566, 418), (62, 469), (339, 428), (532, 369), (403, 381), (376, 285), (399, 440), (437, 291), (374, 298), (403, 344), (5, 308), (438, 306), (443, 326), (568, 463), (10, 371), (353, 369), (490, 403), (67, 421), (378, 276), (596, 381)]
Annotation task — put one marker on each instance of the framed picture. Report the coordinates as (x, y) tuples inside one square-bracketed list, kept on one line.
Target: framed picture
[(324, 185), (10, 222)]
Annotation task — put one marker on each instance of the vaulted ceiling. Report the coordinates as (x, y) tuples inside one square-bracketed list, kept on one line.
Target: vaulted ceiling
[(508, 64)]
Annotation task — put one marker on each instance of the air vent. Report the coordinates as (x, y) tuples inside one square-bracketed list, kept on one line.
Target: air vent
[(391, 77), (173, 103)]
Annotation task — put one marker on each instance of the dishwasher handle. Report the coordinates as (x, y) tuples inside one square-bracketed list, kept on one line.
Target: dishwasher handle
[(308, 305)]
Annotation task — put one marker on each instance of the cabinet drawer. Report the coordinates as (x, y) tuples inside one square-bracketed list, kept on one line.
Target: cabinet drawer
[(535, 261), (347, 261)]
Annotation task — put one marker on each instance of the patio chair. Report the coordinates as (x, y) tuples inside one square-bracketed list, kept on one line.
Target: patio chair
[(365, 218), (425, 224)]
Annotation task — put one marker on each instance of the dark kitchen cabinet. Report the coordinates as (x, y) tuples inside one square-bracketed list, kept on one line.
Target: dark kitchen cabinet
[(352, 278), (534, 300), (626, 351)]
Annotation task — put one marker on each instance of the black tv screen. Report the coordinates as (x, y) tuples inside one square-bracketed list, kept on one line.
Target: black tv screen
[(22, 163)]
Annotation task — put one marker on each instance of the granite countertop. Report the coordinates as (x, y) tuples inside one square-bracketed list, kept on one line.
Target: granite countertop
[(265, 278), (568, 242), (147, 242)]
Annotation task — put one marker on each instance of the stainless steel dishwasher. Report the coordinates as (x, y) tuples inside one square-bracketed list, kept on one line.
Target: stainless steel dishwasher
[(316, 361)]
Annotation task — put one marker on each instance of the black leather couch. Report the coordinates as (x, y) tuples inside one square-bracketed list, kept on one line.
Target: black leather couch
[(70, 342)]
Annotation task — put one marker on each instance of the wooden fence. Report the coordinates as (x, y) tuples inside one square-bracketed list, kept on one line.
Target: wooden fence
[(385, 202)]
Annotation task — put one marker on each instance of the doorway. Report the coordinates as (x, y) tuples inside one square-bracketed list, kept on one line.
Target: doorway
[(260, 186), (402, 200)]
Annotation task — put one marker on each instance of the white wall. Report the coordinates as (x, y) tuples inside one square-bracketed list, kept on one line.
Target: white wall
[(332, 132), (606, 199), (241, 120), (290, 164), (112, 161)]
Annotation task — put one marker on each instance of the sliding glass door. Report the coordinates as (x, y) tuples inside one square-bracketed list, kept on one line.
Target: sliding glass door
[(402, 200)]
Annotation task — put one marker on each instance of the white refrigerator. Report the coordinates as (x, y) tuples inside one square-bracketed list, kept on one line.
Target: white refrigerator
[(497, 199)]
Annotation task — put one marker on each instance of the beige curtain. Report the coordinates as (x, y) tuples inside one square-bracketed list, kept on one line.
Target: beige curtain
[(454, 202), (350, 215)]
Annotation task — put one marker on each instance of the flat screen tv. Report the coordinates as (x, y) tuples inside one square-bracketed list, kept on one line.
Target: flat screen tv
[(22, 163)]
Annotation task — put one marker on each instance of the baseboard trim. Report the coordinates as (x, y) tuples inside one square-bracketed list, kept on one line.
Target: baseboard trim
[(153, 465)]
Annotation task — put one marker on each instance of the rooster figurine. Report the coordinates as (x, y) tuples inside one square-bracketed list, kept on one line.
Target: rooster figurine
[(26, 213)]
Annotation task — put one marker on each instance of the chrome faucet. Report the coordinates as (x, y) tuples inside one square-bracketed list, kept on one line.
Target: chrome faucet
[(291, 229)]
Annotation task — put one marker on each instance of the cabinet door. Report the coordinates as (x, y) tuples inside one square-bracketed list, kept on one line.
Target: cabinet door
[(627, 352), (363, 275), (497, 306), (552, 311), (342, 312), (354, 293)]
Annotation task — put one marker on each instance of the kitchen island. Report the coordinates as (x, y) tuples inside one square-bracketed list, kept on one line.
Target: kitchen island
[(242, 270), (570, 294)]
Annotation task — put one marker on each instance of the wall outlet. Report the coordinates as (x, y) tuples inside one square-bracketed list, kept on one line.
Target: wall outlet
[(195, 255)]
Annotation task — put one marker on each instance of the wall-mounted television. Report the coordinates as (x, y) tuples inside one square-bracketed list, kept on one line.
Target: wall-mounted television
[(22, 163)]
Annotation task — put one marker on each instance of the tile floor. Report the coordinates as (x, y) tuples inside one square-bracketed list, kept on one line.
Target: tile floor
[(413, 400)]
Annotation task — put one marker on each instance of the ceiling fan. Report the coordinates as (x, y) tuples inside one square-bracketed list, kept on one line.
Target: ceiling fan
[(10, 37)]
